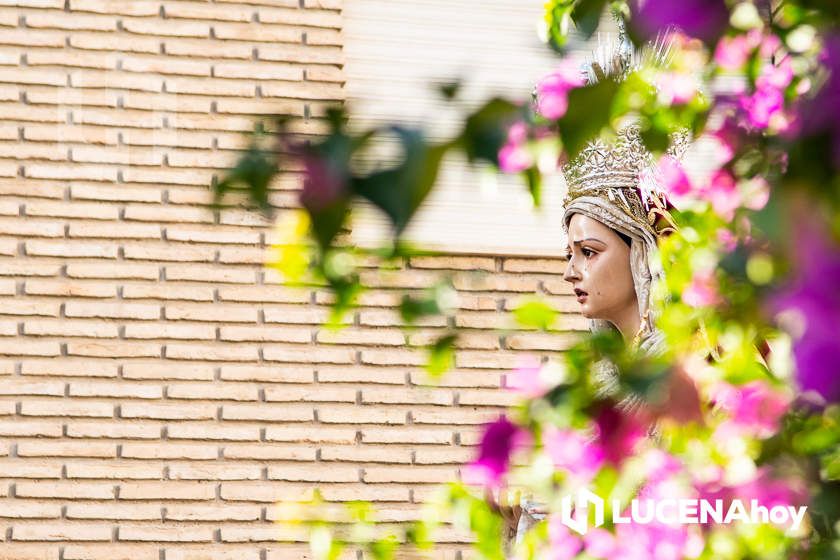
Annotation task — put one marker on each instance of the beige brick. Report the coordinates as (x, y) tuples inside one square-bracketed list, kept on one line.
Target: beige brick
[(302, 54), (115, 389), (31, 227), (214, 352), (169, 370), (410, 475), (205, 48), (226, 274), (169, 252), (19, 112), (133, 512), (165, 65), (258, 71), (105, 41), (379, 492), (69, 288), (112, 470), (70, 133), (238, 88), (169, 330), (267, 413), (270, 452), (108, 552), (112, 430), (62, 532), (269, 493), (264, 294), (168, 292), (373, 337), (339, 414), (390, 318), (121, 7), (113, 349), (362, 374), (70, 368), (17, 509), (443, 455), (29, 307), (303, 354), (304, 434), (106, 230), (110, 270), (296, 314), (272, 374), (259, 33), (216, 235), (169, 411), (118, 117), (62, 58), (216, 314), (393, 357), (66, 449), (29, 348), (61, 21), (202, 431), (547, 266), (198, 10), (166, 28), (295, 473), (265, 334), (456, 416), (485, 360), (99, 154), (214, 471), (67, 172), (310, 393), (65, 490), (176, 138), (262, 533), (178, 512), (25, 386), (72, 249), (29, 469), (167, 491), (63, 407), (211, 391), (163, 450), (36, 189), (32, 37), (27, 267), (154, 213), (541, 341), (112, 310)]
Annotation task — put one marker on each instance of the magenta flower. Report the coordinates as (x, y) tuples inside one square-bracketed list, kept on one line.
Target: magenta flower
[(703, 19), (810, 306), (324, 183), (600, 543), (500, 440), (674, 179), (618, 433), (553, 90), (762, 106), (728, 240), (756, 193), (571, 451), (775, 76), (533, 379), (514, 155), (755, 408), (722, 192), (702, 290), (820, 114), (677, 88), (564, 545), (732, 53)]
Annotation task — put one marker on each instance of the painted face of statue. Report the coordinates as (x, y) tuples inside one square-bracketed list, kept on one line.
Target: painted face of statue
[(599, 271)]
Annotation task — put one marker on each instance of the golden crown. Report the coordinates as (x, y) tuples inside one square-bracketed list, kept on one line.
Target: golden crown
[(624, 173)]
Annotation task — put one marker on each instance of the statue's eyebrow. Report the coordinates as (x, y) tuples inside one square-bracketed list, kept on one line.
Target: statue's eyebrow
[(579, 241)]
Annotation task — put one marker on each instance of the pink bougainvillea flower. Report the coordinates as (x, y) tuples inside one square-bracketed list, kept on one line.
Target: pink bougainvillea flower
[(499, 441), (756, 193), (324, 183), (755, 408), (600, 543), (553, 90), (702, 290), (722, 192), (514, 155), (674, 179), (703, 19), (772, 491), (775, 76), (728, 240), (564, 545), (533, 379), (619, 432), (732, 53), (677, 88), (762, 106), (811, 298), (573, 452)]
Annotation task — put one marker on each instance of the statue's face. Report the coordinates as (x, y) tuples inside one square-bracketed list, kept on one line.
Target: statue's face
[(599, 270)]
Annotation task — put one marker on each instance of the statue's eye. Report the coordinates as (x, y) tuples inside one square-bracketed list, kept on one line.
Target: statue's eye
[(587, 252)]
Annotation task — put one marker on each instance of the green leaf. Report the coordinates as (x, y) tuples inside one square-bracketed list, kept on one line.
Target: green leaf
[(587, 14), (253, 172), (533, 178), (485, 131), (400, 191), (589, 112), (536, 314), (442, 355), (558, 19)]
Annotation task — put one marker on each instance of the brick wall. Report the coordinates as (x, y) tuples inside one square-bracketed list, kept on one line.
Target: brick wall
[(159, 390)]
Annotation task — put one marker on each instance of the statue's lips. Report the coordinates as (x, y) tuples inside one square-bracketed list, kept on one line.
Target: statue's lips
[(581, 295)]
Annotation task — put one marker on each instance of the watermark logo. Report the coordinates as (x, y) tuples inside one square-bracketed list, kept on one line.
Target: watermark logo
[(575, 511)]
